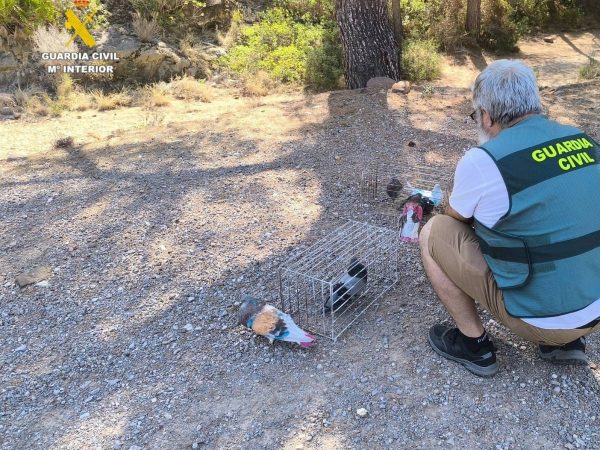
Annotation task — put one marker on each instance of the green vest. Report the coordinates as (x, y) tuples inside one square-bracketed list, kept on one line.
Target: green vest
[(545, 251)]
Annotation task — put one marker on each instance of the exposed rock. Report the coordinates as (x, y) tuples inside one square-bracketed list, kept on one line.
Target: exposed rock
[(549, 40), (401, 87), (379, 83), (33, 276), (146, 61), (6, 100)]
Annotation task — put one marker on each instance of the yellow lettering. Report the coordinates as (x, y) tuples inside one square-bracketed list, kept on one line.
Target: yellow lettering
[(575, 160), (576, 145), (564, 164), (550, 153), (588, 143), (560, 149), (538, 156), (587, 157), (569, 145)]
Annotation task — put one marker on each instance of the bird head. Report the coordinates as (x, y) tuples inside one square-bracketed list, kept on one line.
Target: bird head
[(356, 268), (250, 306)]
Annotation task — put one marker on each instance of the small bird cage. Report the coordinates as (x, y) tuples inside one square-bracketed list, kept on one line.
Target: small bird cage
[(388, 185), (328, 286)]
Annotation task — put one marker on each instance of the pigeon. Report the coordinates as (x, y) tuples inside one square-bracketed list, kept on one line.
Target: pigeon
[(266, 320), (393, 188), (427, 204), (349, 287)]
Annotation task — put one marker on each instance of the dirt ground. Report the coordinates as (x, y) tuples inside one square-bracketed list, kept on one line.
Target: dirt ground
[(154, 224)]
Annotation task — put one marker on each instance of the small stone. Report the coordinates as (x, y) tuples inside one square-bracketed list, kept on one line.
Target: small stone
[(549, 40), (188, 327), (362, 412), (135, 447), (401, 87), (412, 144), (33, 276), (556, 390), (21, 348), (84, 416), (379, 83), (43, 284)]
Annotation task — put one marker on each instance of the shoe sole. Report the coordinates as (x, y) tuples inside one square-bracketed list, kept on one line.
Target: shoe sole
[(484, 372), (576, 357)]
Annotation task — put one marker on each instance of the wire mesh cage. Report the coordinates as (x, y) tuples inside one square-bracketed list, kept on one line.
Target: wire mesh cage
[(387, 185), (328, 286)]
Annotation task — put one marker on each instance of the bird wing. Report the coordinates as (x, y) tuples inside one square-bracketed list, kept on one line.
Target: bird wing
[(265, 321), (294, 333)]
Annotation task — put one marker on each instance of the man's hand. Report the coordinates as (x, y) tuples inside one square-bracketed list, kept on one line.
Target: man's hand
[(449, 211)]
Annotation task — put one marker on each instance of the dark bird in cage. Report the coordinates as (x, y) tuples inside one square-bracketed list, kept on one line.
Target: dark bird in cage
[(394, 188), (349, 287), (427, 205), (266, 320)]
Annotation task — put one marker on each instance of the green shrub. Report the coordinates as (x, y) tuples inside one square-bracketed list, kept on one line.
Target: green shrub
[(324, 65), (498, 31), (421, 60), (442, 21), (590, 71), (309, 10), (288, 50), (26, 14)]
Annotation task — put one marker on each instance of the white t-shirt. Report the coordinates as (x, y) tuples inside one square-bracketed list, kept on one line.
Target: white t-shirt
[(480, 192)]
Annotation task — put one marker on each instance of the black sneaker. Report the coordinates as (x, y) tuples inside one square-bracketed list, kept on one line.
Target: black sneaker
[(448, 343), (571, 353)]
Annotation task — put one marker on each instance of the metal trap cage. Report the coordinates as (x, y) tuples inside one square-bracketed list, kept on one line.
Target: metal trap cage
[(328, 286), (388, 185)]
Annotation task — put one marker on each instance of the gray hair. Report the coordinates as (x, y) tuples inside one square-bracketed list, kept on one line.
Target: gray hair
[(507, 89)]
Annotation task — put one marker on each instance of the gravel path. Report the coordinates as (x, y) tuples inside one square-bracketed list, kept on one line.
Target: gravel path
[(152, 236)]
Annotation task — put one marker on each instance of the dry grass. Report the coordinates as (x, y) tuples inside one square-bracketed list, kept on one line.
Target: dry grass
[(38, 105), (234, 33), (80, 101), (199, 60), (188, 88), (64, 86), (257, 85), (590, 70), (53, 40), (147, 30), (105, 102), (155, 95)]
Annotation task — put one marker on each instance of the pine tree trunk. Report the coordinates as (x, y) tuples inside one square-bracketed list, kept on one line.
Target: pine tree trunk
[(368, 41), (474, 17), (398, 31), (552, 10)]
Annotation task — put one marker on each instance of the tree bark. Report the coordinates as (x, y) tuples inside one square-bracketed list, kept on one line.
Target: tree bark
[(473, 25), (552, 10), (368, 41), (397, 14)]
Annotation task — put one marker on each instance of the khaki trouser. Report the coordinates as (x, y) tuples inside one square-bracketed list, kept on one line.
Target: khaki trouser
[(455, 248)]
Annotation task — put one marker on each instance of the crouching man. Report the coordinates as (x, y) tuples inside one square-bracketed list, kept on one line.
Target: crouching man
[(521, 233)]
